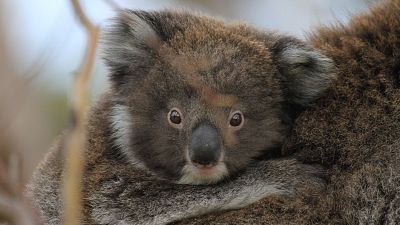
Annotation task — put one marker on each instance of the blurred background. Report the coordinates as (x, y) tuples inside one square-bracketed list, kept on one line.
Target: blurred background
[(42, 44)]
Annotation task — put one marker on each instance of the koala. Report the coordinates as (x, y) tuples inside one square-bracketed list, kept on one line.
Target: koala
[(197, 110), (185, 89)]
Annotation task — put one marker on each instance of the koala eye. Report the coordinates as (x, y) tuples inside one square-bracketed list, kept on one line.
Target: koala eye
[(236, 119), (174, 117)]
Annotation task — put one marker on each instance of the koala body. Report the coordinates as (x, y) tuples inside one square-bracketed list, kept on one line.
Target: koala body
[(193, 101)]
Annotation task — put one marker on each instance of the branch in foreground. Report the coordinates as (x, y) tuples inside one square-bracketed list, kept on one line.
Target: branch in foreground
[(74, 159)]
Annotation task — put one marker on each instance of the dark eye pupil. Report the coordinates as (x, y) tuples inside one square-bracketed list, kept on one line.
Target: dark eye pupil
[(175, 117), (236, 120)]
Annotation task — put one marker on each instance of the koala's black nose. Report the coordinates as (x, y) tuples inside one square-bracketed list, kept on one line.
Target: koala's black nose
[(205, 147)]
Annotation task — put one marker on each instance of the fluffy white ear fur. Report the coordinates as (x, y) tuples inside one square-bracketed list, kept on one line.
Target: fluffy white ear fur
[(306, 72), (121, 126), (128, 39)]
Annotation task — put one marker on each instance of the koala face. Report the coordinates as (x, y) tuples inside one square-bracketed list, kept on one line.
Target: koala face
[(196, 100)]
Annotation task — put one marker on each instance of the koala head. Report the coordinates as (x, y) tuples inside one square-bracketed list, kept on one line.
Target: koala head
[(197, 99)]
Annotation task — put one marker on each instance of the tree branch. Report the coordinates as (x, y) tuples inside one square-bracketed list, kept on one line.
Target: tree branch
[(74, 158)]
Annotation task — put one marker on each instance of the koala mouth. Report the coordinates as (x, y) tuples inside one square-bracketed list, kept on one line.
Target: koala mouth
[(208, 169), (204, 168), (203, 174)]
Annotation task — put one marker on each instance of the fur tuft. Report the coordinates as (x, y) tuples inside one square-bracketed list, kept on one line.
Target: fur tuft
[(306, 73), (128, 43), (121, 126)]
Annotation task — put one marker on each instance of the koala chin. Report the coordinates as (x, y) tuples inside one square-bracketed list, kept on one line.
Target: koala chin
[(196, 99)]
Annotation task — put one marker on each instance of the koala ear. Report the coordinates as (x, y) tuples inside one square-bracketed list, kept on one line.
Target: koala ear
[(306, 73), (129, 43)]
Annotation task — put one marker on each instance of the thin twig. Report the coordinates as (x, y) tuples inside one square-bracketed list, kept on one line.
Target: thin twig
[(74, 158), (86, 23)]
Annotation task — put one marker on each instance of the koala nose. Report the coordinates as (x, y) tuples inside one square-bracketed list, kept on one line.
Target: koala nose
[(205, 147)]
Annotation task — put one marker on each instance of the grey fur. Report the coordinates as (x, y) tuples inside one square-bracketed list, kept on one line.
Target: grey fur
[(375, 189), (168, 202), (126, 40), (45, 187), (121, 126)]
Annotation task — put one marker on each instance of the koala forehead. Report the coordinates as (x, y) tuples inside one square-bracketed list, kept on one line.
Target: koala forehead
[(205, 56), (195, 81), (220, 55), (218, 40)]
